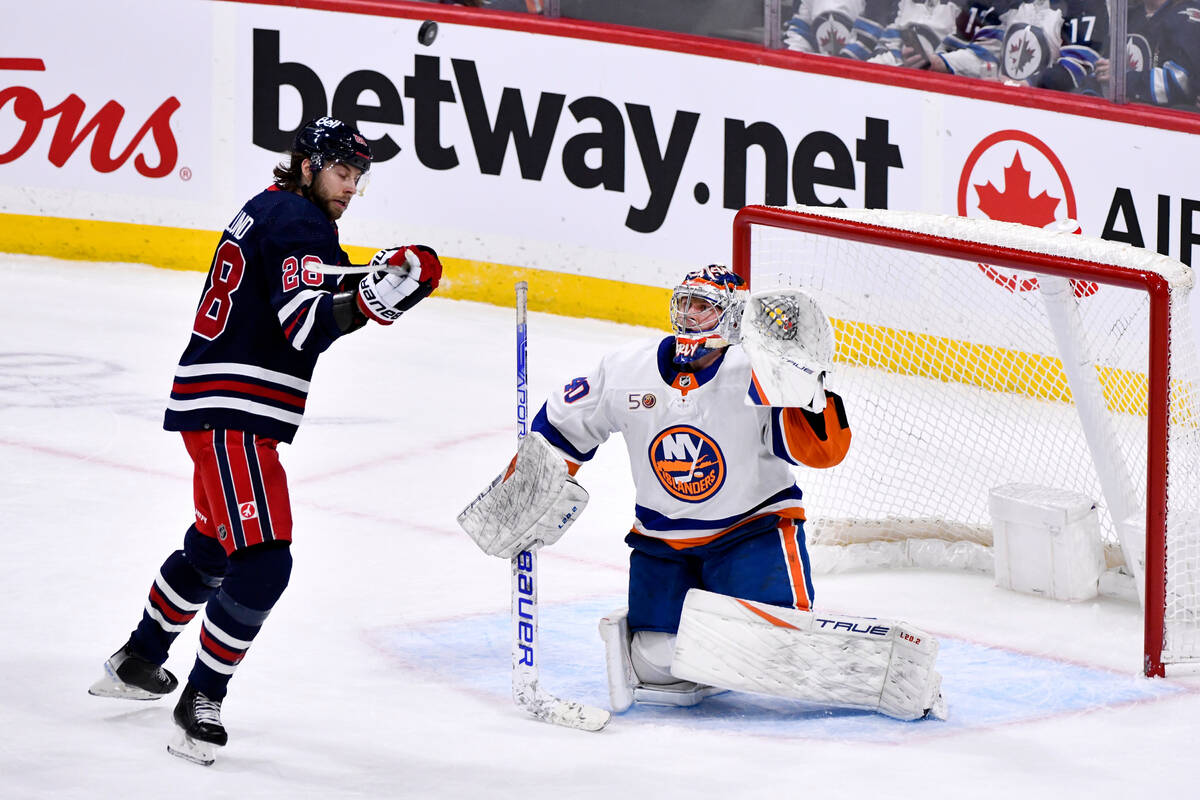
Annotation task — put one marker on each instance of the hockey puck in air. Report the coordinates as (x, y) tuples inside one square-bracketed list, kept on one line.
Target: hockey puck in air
[(427, 33)]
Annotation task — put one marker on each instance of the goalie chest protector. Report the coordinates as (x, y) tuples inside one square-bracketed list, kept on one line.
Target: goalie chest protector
[(701, 459)]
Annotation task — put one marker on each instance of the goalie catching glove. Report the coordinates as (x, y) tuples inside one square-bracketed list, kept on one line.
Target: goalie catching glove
[(528, 505), (409, 275), (790, 345)]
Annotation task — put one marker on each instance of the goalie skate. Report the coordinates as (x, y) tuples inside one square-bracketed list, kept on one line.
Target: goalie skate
[(199, 731), (130, 677)]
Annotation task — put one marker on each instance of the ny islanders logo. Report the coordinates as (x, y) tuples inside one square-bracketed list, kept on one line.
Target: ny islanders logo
[(688, 463)]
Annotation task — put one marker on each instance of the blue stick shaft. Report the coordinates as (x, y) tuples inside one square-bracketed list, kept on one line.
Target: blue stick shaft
[(524, 564)]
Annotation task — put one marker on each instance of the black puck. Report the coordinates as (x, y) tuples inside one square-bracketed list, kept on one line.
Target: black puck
[(427, 33)]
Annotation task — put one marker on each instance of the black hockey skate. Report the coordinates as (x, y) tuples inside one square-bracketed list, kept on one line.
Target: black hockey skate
[(128, 675), (199, 729)]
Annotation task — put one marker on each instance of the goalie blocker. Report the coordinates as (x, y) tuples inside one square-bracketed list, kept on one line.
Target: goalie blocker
[(530, 504), (828, 659)]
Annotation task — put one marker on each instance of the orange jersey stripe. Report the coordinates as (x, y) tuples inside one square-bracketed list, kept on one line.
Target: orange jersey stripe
[(791, 550), (758, 388), (793, 513)]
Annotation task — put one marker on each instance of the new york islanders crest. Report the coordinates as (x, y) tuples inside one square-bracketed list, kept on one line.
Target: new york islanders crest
[(688, 463)]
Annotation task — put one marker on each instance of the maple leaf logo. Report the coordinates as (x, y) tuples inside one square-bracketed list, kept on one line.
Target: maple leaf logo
[(1014, 203)]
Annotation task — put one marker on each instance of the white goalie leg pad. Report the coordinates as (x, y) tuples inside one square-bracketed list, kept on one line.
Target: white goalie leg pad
[(831, 659), (614, 632), (790, 344), (536, 503), (624, 685)]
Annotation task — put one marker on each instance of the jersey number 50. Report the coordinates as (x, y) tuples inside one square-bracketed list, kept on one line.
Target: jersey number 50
[(226, 275)]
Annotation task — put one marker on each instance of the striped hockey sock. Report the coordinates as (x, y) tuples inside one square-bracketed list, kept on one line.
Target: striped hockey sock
[(236, 613), (178, 592)]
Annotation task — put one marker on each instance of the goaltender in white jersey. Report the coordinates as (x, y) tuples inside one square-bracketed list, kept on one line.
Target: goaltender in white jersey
[(720, 592)]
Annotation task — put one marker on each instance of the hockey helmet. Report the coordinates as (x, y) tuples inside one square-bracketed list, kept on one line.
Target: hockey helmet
[(706, 312), (327, 141)]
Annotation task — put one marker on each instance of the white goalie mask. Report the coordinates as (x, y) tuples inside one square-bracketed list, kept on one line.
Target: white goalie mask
[(706, 312)]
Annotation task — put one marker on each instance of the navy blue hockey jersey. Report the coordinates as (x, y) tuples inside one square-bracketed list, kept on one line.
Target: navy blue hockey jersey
[(262, 321), (1163, 52)]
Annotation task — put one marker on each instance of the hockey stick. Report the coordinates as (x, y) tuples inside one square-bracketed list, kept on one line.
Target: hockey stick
[(526, 692)]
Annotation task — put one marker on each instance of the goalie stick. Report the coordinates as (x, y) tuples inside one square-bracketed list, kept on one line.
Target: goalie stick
[(526, 692)]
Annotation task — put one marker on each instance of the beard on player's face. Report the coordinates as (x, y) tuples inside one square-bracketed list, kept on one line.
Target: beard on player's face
[(329, 195)]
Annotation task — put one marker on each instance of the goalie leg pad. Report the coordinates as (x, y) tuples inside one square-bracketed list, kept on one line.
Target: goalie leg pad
[(625, 687), (614, 631), (835, 660), (536, 502)]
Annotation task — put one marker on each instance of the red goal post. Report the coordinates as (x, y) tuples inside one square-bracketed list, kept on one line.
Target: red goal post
[(1091, 382)]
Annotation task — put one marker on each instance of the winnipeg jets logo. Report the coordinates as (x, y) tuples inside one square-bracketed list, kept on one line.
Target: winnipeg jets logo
[(1138, 53), (832, 32), (1025, 52), (688, 463)]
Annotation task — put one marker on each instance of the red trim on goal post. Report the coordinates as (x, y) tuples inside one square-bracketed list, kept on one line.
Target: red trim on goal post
[(1157, 424), (1158, 390)]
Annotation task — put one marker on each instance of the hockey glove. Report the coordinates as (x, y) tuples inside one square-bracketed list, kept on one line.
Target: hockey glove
[(529, 505), (409, 275), (790, 343)]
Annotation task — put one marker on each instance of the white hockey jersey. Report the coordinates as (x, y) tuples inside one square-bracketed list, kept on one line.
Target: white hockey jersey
[(704, 458)]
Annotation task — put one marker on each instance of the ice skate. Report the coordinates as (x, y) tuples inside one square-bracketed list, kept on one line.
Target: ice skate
[(199, 731), (127, 675)]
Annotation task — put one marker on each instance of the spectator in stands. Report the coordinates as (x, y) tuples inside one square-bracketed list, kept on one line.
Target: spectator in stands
[(1162, 53), (1052, 44), (849, 28)]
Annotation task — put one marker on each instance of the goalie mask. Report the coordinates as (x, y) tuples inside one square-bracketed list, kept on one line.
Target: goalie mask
[(706, 312)]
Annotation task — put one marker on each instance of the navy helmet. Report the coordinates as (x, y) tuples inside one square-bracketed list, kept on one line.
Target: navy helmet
[(327, 141)]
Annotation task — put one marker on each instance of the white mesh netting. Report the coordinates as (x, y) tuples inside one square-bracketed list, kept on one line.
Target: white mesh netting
[(953, 376)]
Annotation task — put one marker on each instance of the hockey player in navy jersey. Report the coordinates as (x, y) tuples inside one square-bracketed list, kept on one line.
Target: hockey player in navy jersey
[(717, 541), (1162, 52), (277, 295)]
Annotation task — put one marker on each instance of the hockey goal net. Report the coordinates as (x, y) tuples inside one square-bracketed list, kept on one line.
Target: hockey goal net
[(974, 354)]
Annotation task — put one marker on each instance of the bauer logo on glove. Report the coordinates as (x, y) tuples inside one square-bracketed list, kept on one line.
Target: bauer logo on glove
[(407, 275)]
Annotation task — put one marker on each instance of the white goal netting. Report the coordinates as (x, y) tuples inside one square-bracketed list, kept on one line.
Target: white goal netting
[(973, 354)]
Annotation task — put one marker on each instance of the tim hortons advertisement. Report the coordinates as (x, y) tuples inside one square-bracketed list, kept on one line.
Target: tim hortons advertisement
[(99, 122), (537, 151)]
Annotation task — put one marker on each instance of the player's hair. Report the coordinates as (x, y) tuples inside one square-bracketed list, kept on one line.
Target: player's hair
[(289, 177)]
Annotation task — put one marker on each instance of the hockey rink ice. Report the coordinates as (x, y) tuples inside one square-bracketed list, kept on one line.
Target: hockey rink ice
[(384, 670)]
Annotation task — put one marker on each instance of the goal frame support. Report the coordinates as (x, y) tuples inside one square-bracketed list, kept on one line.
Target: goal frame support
[(1158, 374)]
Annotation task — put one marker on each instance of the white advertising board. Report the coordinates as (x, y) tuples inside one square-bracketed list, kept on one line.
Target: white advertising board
[(550, 152)]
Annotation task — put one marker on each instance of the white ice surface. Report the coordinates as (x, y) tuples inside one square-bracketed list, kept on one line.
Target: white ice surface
[(383, 670)]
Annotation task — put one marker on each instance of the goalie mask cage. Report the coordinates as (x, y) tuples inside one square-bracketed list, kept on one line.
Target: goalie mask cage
[(974, 353)]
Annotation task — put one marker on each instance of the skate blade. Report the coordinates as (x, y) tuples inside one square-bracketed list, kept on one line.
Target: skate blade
[(112, 686), (194, 750)]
